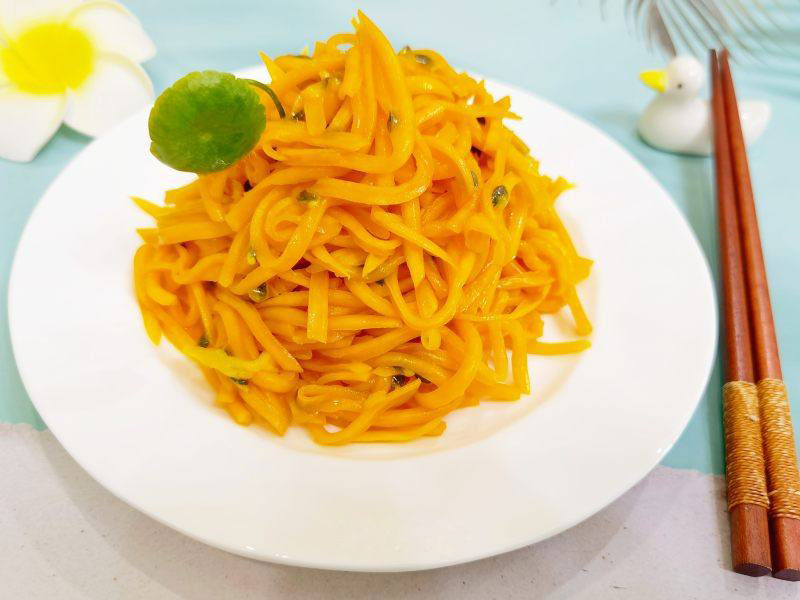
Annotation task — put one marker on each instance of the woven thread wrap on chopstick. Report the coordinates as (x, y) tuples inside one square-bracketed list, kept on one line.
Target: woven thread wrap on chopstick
[(781, 457), (747, 483)]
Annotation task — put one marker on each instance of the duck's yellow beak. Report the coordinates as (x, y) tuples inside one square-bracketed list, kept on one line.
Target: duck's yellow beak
[(656, 79)]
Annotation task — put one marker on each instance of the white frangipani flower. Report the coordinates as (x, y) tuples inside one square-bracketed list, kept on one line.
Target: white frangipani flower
[(71, 61)]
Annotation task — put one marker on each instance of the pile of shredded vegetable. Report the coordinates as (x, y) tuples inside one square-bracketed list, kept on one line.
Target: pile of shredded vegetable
[(367, 268)]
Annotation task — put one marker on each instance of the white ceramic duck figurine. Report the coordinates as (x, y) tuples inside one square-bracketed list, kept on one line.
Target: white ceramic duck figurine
[(677, 120)]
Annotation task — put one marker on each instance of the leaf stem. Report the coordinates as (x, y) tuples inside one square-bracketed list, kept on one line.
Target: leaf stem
[(271, 93)]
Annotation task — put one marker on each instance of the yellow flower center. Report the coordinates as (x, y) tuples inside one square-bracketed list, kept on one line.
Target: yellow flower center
[(48, 58)]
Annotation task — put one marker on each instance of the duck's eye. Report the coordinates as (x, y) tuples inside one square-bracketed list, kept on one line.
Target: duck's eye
[(680, 86)]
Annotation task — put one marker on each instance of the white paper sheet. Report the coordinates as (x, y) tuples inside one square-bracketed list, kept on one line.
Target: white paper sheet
[(63, 536)]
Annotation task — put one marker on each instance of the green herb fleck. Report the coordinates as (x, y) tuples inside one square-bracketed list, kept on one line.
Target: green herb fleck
[(203, 341), (239, 381), (258, 294), (391, 121), (423, 59), (474, 178), (499, 194), (252, 257), (306, 196), (300, 115), (205, 122)]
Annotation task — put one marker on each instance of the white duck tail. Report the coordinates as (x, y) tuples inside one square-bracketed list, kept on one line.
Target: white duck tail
[(755, 115)]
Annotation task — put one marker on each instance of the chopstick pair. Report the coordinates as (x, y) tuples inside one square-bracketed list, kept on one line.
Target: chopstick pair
[(762, 475)]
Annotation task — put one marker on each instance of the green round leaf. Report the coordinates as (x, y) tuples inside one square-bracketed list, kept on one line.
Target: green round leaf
[(205, 122)]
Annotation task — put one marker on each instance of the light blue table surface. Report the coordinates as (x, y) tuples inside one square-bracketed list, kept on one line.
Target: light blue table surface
[(563, 52)]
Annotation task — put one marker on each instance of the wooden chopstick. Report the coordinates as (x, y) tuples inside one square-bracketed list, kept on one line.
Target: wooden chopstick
[(783, 478), (747, 493)]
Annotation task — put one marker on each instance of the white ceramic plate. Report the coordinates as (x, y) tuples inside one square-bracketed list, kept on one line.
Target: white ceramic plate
[(140, 420)]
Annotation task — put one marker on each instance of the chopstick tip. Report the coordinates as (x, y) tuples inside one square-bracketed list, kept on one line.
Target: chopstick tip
[(752, 570), (787, 574)]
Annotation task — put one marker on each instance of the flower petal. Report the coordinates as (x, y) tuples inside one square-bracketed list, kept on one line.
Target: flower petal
[(116, 88), (113, 29), (15, 14), (27, 121)]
